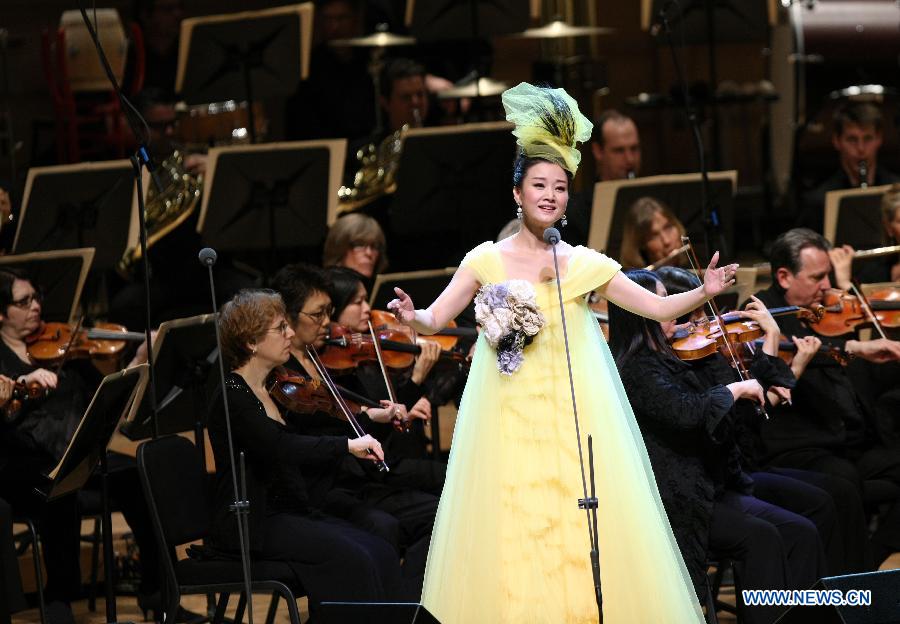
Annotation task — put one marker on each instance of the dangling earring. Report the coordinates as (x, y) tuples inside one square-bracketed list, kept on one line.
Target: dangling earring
[(253, 351), (519, 212), (564, 222)]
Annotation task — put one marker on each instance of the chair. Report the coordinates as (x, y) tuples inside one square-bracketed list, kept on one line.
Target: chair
[(713, 604), (174, 484), (24, 539)]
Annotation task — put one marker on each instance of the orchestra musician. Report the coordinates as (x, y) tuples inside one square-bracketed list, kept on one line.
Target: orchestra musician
[(388, 506), (832, 503), (857, 135), (829, 427), (357, 242), (687, 421), (875, 270), (651, 232), (333, 559), (34, 442)]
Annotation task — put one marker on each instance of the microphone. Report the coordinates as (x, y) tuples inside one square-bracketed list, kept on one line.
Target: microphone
[(551, 236), (660, 19), (207, 256)]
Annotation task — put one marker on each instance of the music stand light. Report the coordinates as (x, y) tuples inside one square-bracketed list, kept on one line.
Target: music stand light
[(453, 193), (680, 192), (272, 196), (78, 206), (59, 274)]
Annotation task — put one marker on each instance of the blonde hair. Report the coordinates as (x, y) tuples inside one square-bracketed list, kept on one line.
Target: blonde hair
[(637, 228), (349, 230), (890, 204), (245, 319)]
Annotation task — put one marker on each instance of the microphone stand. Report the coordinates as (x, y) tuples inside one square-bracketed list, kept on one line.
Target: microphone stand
[(588, 503), (712, 225), (240, 506)]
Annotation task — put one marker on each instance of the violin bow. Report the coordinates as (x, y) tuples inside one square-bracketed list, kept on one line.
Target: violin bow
[(387, 380), (743, 373), (332, 388), (72, 337), (864, 302)]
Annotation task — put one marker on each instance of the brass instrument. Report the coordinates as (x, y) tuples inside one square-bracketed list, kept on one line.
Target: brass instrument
[(166, 210), (376, 175)]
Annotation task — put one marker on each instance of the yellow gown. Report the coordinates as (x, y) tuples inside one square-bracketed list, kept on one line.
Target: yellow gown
[(510, 543)]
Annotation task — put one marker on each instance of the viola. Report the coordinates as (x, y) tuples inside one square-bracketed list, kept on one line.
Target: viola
[(53, 341), (22, 394)]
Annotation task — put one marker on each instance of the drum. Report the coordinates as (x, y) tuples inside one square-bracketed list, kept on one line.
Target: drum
[(220, 123), (818, 48)]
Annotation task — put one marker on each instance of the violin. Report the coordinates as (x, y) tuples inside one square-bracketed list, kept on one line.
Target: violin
[(787, 349), (346, 349), (447, 337), (845, 312), (303, 395), (52, 342), (706, 337), (22, 394)]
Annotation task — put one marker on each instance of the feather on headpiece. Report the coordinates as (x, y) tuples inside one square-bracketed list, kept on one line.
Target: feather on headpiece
[(548, 123)]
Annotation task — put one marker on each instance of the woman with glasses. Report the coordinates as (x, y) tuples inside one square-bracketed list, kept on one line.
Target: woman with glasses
[(334, 560), (396, 510), (356, 241)]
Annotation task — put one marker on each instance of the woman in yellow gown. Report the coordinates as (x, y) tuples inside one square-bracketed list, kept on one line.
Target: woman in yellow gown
[(510, 543)]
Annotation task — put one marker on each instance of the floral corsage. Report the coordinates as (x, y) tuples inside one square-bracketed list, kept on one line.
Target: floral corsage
[(510, 318)]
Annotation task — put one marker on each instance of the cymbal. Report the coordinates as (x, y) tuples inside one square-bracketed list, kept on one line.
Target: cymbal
[(375, 40), (487, 87), (559, 29)]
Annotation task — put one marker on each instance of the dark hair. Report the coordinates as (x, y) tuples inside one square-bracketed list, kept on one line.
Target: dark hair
[(629, 333), (678, 280), (857, 113), (398, 69), (523, 163), (244, 319), (785, 252), (607, 115), (7, 277), (296, 283), (342, 286)]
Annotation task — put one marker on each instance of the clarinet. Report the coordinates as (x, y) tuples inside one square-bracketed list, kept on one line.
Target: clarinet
[(863, 169)]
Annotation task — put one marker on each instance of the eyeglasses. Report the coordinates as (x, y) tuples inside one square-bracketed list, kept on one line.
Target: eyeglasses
[(281, 327), (321, 315), (25, 302), (362, 246)]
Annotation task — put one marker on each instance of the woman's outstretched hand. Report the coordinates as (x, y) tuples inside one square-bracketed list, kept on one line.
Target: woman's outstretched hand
[(402, 307), (716, 280)]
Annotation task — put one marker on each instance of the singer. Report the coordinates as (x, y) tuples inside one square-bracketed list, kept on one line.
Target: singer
[(510, 543)]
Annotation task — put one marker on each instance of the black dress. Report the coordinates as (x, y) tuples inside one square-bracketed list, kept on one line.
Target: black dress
[(332, 559), (688, 430)]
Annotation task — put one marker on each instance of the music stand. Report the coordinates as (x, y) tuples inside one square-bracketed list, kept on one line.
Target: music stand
[(184, 354), (87, 450), (442, 20), (680, 192), (59, 274), (77, 206), (272, 196), (453, 193), (250, 55), (853, 216)]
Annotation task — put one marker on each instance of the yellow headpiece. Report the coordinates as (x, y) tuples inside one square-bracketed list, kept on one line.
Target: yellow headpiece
[(548, 123)]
